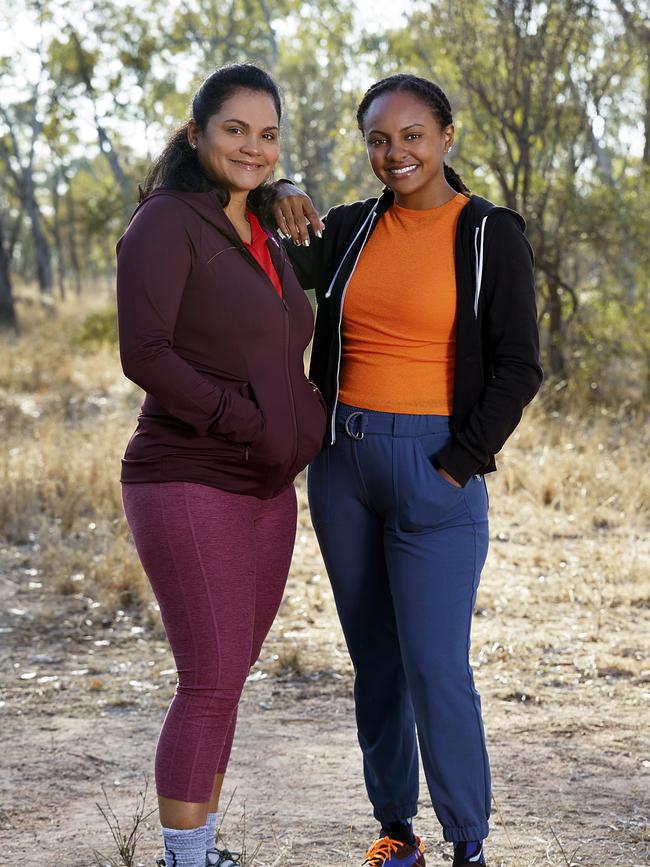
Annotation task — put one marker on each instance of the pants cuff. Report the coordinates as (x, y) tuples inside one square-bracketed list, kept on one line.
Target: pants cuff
[(467, 832), (396, 812)]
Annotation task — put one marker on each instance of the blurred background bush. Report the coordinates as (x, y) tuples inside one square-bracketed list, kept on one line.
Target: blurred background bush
[(551, 101)]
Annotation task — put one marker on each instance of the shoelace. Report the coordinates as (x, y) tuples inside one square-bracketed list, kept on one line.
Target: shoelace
[(380, 851), (222, 856)]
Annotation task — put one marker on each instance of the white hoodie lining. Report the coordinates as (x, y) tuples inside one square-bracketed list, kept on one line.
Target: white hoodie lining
[(336, 274), (479, 261), (371, 217)]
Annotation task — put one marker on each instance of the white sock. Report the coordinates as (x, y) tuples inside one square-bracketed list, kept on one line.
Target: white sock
[(184, 848), (211, 830)]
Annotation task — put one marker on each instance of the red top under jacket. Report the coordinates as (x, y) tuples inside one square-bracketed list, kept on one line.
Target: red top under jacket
[(260, 250)]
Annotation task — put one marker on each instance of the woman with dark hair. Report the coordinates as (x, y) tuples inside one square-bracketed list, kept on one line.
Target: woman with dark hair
[(213, 325), (426, 350)]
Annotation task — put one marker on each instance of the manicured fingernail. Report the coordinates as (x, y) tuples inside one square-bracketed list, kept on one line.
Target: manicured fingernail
[(297, 243), (318, 233), (305, 243)]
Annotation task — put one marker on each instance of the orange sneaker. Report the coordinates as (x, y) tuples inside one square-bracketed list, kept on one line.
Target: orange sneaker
[(387, 852)]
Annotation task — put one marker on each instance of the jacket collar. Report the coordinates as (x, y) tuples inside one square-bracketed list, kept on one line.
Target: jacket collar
[(477, 208), (207, 206)]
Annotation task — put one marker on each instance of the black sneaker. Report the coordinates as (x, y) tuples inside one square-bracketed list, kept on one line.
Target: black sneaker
[(463, 858)]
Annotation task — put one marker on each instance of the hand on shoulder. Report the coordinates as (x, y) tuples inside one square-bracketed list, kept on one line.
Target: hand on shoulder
[(294, 212)]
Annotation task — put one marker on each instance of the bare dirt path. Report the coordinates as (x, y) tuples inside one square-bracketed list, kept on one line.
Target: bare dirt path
[(560, 649)]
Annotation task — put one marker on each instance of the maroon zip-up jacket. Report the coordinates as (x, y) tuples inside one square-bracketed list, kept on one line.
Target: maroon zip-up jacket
[(219, 354)]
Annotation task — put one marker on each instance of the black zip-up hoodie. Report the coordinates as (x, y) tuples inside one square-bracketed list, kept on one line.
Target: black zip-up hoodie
[(497, 369), (220, 355)]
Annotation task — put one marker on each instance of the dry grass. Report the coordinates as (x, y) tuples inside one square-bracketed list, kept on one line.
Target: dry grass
[(589, 470), (560, 636), (67, 414), (125, 836)]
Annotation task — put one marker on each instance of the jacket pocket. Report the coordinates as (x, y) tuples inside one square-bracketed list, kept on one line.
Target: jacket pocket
[(242, 420), (319, 394), (311, 418)]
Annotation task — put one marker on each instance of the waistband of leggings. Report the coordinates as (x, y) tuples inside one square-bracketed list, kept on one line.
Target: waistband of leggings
[(356, 421)]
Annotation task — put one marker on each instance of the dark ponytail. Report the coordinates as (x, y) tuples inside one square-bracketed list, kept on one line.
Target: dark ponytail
[(454, 180), (430, 94), (178, 167)]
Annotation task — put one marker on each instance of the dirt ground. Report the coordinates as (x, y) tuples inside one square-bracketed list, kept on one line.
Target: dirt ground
[(560, 650)]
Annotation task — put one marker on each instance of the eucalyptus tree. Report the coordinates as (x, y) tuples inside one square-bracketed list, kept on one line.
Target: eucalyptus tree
[(99, 60), (309, 48), (323, 149), (636, 18), (7, 305), (527, 79), (21, 121)]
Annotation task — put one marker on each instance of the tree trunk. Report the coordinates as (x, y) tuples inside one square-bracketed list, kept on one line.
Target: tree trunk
[(41, 245), (7, 307), (646, 119), (266, 12), (105, 143), (113, 160), (56, 233), (72, 241), (556, 359)]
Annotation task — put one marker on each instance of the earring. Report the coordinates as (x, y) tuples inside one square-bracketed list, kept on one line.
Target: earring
[(193, 145)]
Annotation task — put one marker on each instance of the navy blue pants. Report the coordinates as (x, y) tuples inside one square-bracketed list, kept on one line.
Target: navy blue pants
[(404, 551)]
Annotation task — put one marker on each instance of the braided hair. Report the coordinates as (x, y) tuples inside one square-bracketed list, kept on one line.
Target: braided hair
[(430, 94), (178, 168)]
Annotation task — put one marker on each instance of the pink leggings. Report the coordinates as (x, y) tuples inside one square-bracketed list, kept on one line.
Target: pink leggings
[(218, 564)]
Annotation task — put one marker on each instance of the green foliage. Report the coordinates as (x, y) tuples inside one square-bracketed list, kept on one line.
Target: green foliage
[(547, 99), (323, 149), (98, 329), (528, 82)]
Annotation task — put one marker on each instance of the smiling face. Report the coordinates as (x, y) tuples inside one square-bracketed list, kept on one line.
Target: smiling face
[(406, 146), (240, 144)]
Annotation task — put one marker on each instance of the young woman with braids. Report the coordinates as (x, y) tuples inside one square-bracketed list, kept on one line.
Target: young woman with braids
[(213, 326), (426, 350)]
